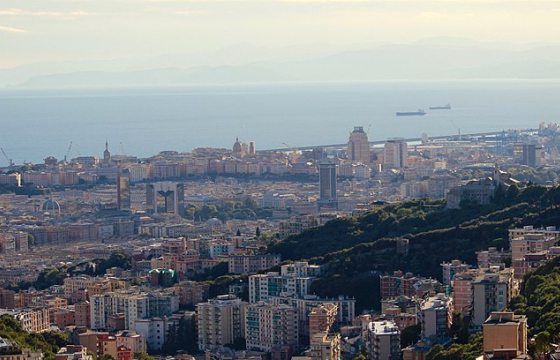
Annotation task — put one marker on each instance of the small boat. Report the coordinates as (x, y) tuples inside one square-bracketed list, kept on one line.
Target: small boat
[(446, 107), (420, 112)]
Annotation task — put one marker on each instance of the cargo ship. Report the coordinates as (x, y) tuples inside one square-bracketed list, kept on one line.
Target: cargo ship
[(420, 112), (446, 107)]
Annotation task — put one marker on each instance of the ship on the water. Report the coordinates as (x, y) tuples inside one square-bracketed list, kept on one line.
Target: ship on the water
[(420, 112), (446, 107)]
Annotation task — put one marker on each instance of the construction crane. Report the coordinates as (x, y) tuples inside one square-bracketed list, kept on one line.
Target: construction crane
[(458, 129), (294, 156), (68, 152), (10, 162)]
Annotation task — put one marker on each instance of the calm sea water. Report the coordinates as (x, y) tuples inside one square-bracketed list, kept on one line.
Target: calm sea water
[(35, 124)]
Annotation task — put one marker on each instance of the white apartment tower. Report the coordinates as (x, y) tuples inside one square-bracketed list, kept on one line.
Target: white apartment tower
[(220, 321), (395, 154), (268, 325)]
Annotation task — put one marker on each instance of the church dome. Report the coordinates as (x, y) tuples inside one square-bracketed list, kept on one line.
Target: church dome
[(214, 222), (51, 205), (237, 147)]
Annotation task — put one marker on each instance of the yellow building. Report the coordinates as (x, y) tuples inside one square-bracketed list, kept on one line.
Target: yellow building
[(505, 330)]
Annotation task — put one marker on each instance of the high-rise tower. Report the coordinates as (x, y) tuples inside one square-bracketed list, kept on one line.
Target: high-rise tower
[(123, 191), (395, 154), (358, 146), (327, 185)]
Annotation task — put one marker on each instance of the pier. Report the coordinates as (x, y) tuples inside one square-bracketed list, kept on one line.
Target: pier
[(455, 137)]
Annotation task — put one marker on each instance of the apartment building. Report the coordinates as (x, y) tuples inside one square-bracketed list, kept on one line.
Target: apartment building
[(263, 286), (492, 256), (398, 284), (296, 225), (191, 293), (436, 315), (247, 264), (267, 326), (220, 321), (493, 288), (301, 268), (322, 318), (324, 346), (463, 289), (451, 269), (346, 310), (528, 243), (383, 340), (504, 331), (133, 305), (549, 231)]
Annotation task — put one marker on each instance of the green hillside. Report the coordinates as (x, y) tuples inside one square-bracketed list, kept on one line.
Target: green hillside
[(356, 250), (47, 342)]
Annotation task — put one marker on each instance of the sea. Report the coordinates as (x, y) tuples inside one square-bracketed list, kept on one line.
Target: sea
[(35, 124)]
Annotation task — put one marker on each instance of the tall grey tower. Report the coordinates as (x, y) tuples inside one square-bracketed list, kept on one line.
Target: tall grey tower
[(123, 190), (327, 185)]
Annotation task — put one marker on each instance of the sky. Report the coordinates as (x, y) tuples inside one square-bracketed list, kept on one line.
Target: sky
[(34, 31)]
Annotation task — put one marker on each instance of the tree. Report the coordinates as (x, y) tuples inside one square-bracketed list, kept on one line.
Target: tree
[(140, 355), (251, 203), (410, 335), (258, 232), (542, 345), (30, 240), (238, 232), (181, 336), (435, 352), (512, 193)]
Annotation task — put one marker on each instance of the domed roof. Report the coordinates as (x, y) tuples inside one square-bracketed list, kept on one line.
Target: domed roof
[(214, 222), (237, 147), (51, 205)]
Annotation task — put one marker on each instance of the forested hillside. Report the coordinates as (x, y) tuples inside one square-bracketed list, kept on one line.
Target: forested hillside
[(356, 250)]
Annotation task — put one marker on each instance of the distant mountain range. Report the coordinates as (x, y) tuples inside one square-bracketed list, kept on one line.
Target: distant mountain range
[(437, 59)]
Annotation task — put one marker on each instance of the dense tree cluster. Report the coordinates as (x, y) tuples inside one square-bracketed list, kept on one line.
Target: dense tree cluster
[(56, 276), (247, 210), (539, 300), (47, 342)]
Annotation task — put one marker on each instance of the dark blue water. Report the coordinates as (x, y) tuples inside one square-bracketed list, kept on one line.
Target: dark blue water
[(39, 123)]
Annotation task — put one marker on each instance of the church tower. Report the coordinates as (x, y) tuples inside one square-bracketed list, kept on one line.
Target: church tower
[(106, 154)]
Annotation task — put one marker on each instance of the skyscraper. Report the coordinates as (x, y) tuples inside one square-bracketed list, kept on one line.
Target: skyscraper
[(252, 148), (395, 154), (165, 197), (123, 191), (529, 155), (327, 185), (358, 146)]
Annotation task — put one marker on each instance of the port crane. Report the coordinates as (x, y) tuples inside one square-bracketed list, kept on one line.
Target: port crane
[(68, 151), (294, 156), (10, 162)]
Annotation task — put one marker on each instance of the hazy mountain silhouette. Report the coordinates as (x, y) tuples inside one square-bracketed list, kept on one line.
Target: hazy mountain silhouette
[(436, 58)]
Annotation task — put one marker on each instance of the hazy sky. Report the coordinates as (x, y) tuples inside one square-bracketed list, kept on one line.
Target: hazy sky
[(47, 30)]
